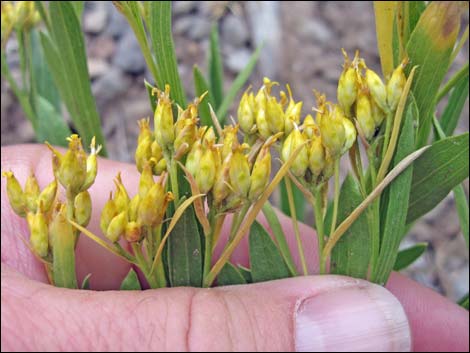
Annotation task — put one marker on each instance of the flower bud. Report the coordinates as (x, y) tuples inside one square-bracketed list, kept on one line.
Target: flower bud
[(39, 238), (260, 174), (15, 194), (246, 112), (230, 140), (377, 114), (134, 207), (82, 205), (310, 128), (148, 211), (364, 115), (292, 116), (328, 170), (194, 158), (159, 167), (316, 156), (292, 142), (107, 214), (377, 89), (146, 180), (144, 130), (347, 85), (31, 192), (239, 173), (350, 133), (161, 206), (143, 153), (206, 171), (274, 115), (164, 132), (221, 188), (396, 85), (121, 198), (133, 232), (91, 165), (332, 131), (208, 137), (117, 227), (47, 196), (261, 121), (72, 169), (186, 131)]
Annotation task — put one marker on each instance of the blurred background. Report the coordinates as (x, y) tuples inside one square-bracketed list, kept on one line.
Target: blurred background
[(302, 48)]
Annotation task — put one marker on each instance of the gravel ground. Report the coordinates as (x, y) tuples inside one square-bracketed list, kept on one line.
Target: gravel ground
[(302, 47)]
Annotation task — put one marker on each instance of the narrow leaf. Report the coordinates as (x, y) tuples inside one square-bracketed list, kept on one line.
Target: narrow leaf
[(396, 202), (201, 86), (159, 17), (230, 275), (78, 6), (453, 110), (430, 48), (265, 259), (407, 256), (150, 89), (216, 70), (461, 203), (384, 15), (237, 84), (443, 166), (86, 282), (246, 273), (464, 302), (50, 126), (299, 201), (131, 281), (184, 252), (280, 237), (350, 256)]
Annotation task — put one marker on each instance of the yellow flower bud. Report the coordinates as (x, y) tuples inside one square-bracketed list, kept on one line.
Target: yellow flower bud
[(15, 194), (148, 210), (274, 115), (377, 114), (260, 174), (156, 151), (31, 192), (144, 130), (310, 128), (47, 196), (208, 137), (146, 180), (107, 214), (239, 173), (328, 170), (206, 171), (221, 189), (377, 89), (186, 131), (347, 85), (143, 153), (72, 166), (39, 238), (159, 167), (396, 85), (364, 115), (82, 205), (164, 132), (91, 166), (332, 131), (121, 198), (261, 121), (117, 227), (292, 142), (134, 207), (194, 158), (246, 112), (350, 133), (316, 156), (133, 232), (229, 140), (292, 116)]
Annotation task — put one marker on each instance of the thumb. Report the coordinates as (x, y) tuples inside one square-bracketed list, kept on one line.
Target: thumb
[(327, 313)]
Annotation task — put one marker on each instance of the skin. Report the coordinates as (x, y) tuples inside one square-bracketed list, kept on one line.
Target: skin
[(37, 316)]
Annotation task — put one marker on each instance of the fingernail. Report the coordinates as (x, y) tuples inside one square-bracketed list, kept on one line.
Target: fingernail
[(365, 317)]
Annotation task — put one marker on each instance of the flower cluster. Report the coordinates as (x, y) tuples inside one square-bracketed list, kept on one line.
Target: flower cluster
[(17, 15)]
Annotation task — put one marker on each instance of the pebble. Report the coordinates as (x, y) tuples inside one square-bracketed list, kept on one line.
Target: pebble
[(237, 60), (234, 31), (117, 24), (129, 56), (97, 67), (111, 84), (183, 7), (96, 18)]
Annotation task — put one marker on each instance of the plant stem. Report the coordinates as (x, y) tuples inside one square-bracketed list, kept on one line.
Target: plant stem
[(173, 176), (237, 221), (318, 212), (336, 197), (374, 212), (142, 263), (159, 270), (290, 198), (208, 244), (452, 81), (388, 130)]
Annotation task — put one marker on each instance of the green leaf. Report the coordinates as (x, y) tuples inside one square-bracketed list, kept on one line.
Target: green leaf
[(50, 127), (246, 273), (230, 275), (453, 110), (396, 202), (265, 259), (152, 98), (384, 22), (351, 254), (66, 58), (464, 302), (280, 237), (86, 282), (438, 170), (237, 84), (184, 252), (409, 255), (299, 201), (78, 6), (201, 86), (216, 70), (43, 13), (131, 281), (430, 48), (159, 21)]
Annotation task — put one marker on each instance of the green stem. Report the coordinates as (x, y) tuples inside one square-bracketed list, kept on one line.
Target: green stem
[(290, 198), (336, 197), (388, 131), (452, 81), (237, 221), (143, 265), (374, 214), (159, 270), (318, 213), (173, 177), (208, 245)]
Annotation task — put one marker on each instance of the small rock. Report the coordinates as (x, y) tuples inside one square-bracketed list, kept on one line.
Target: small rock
[(182, 25), (97, 67), (238, 60), (111, 84), (235, 31), (200, 28), (315, 30), (103, 47), (129, 56), (117, 24), (183, 7), (96, 18)]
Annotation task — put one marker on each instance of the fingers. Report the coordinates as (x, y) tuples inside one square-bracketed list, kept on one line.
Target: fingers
[(327, 313), (436, 323)]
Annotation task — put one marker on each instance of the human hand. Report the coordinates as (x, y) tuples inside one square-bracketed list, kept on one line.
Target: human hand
[(331, 313)]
